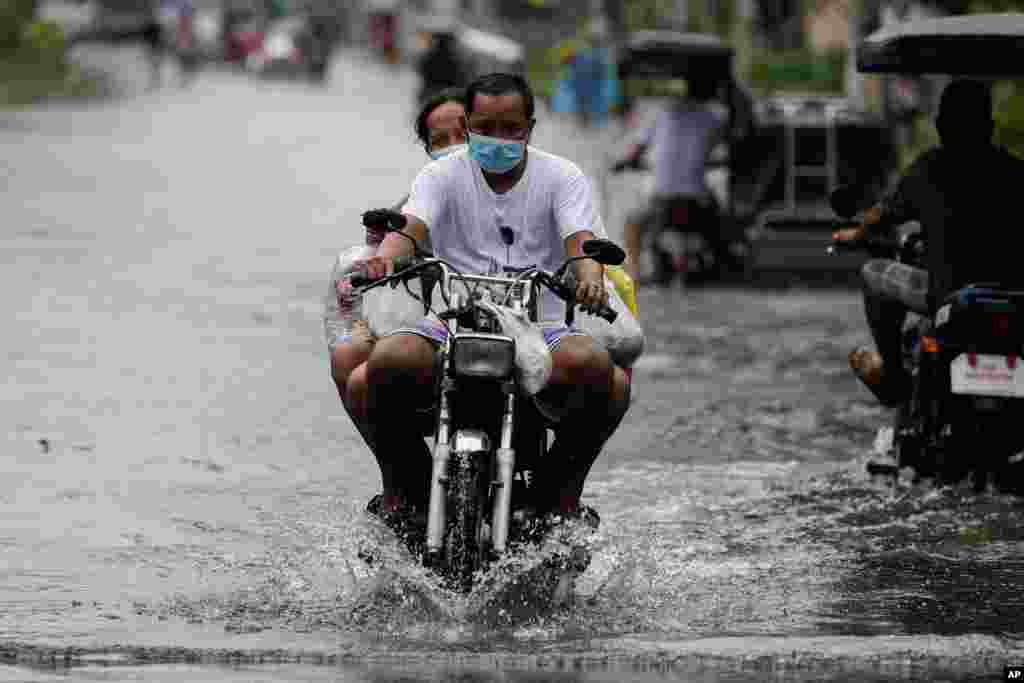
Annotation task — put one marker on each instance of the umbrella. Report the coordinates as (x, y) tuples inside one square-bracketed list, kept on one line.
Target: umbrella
[(673, 54), (965, 45)]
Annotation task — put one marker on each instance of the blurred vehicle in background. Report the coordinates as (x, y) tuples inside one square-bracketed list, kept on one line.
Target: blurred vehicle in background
[(383, 28), (294, 46), (809, 145), (484, 52), (243, 40), (451, 54), (243, 25), (207, 28), (119, 20), (687, 231)]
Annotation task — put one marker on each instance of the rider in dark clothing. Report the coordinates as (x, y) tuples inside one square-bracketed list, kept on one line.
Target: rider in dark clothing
[(963, 194), (441, 66)]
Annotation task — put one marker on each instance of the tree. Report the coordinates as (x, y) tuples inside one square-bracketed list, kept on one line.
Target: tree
[(15, 15)]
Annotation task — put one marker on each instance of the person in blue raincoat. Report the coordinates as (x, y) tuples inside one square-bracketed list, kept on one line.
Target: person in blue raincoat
[(588, 87)]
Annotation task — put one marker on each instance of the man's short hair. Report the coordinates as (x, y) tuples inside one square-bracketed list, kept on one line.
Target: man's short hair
[(500, 84)]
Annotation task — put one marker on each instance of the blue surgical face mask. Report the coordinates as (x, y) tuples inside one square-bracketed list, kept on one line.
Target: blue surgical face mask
[(445, 151), (496, 155)]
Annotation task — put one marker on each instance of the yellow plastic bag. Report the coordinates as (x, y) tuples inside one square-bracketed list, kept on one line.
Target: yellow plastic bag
[(624, 287)]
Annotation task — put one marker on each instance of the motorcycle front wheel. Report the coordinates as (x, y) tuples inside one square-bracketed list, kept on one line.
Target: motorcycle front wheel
[(467, 498), (657, 266)]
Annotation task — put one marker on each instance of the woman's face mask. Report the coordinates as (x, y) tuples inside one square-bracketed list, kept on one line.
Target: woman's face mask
[(441, 153), (496, 155)]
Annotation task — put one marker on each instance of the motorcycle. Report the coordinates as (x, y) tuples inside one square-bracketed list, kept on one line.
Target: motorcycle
[(683, 244), (489, 433), (967, 378)]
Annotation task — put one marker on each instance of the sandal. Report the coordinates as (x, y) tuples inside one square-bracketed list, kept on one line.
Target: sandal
[(867, 365)]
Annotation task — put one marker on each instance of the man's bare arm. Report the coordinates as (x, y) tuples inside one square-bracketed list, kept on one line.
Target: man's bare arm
[(872, 222), (590, 290), (394, 246)]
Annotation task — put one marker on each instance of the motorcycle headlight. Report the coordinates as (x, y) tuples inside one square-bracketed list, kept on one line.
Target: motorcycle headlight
[(489, 356)]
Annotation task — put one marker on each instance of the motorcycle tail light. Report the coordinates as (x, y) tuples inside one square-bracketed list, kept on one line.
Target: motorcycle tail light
[(679, 215), (930, 345), (486, 356)]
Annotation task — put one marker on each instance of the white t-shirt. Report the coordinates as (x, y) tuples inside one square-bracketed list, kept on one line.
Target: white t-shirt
[(551, 201), (678, 139)]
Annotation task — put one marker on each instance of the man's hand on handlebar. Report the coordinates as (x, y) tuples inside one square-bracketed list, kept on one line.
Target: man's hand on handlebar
[(589, 292), (377, 267)]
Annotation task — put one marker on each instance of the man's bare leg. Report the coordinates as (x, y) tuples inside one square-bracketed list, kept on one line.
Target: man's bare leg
[(348, 369), (399, 381), (595, 393)]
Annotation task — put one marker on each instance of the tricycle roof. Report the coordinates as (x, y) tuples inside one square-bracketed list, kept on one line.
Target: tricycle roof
[(966, 45), (674, 54)]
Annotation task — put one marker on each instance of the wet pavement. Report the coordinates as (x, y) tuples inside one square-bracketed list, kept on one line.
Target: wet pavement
[(183, 493)]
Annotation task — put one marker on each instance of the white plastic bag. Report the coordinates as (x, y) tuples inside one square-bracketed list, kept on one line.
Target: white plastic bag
[(533, 359), (389, 308), (340, 312), (623, 338)]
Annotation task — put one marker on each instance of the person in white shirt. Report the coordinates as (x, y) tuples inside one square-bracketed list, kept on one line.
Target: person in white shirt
[(438, 127), (680, 138), (461, 202)]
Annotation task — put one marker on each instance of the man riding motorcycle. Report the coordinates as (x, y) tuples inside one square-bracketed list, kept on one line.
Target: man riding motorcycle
[(681, 138), (439, 129), (960, 192), (463, 203)]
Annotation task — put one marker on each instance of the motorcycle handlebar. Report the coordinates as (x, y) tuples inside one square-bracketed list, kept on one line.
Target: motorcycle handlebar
[(566, 293), (402, 262)]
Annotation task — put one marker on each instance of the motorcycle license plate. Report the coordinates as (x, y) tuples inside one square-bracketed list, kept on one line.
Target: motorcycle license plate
[(986, 375)]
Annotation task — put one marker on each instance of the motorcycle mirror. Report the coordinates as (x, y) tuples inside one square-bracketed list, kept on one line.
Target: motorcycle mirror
[(604, 252), (847, 200)]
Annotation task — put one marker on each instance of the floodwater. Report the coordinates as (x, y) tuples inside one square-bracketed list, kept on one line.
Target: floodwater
[(183, 495)]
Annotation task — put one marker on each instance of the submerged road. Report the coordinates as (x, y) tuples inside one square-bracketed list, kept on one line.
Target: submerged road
[(183, 494)]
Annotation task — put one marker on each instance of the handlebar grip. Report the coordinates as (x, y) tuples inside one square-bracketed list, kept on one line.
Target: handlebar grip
[(384, 219), (608, 313), (360, 279)]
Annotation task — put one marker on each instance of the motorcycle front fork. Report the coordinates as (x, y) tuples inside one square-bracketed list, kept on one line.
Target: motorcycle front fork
[(505, 462)]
